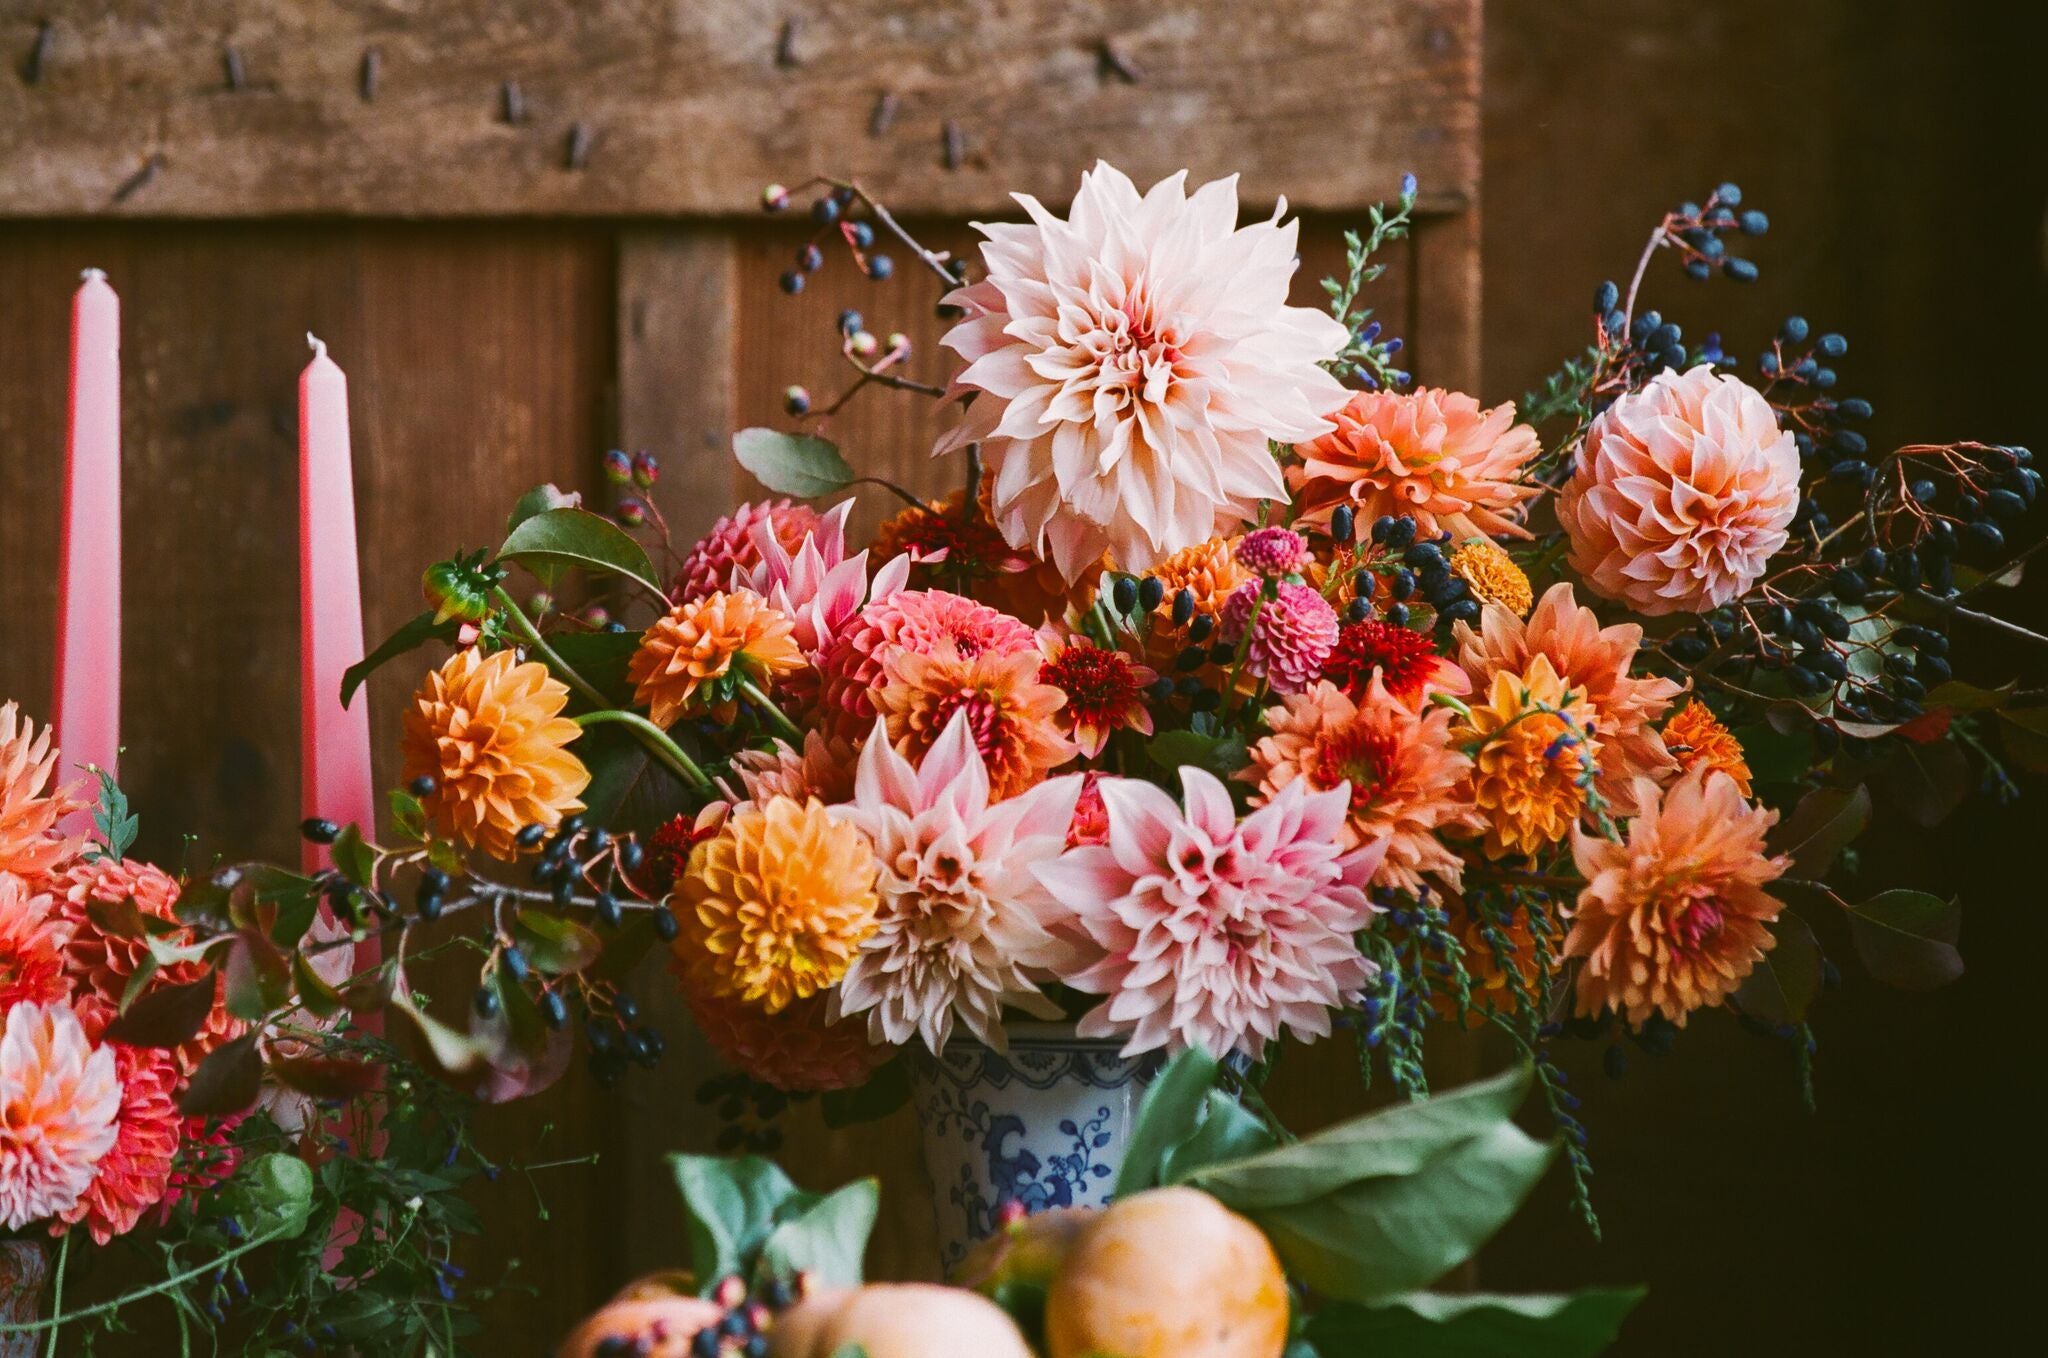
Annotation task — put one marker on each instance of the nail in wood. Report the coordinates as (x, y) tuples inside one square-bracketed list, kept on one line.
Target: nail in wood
[(512, 102), (879, 122), (231, 67), (373, 64), (32, 64), (956, 145), (580, 138), (1119, 64), (785, 44), (141, 179)]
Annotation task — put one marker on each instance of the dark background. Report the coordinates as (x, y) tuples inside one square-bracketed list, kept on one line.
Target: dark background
[(1898, 149)]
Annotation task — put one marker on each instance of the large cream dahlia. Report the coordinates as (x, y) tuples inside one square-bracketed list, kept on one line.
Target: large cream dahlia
[(59, 1100), (1682, 494), (1130, 364)]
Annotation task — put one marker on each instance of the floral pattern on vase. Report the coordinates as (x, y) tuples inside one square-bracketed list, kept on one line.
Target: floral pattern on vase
[(24, 1272), (1043, 1124)]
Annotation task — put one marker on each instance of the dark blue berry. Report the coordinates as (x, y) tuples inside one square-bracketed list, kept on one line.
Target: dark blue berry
[(665, 925), (880, 267), (319, 831), (1754, 223), (825, 210), (422, 786), (1741, 270)]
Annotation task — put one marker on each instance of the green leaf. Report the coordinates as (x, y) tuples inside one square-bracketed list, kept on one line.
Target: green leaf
[(730, 1205), (2025, 737), (1229, 1131), (881, 1094), (407, 814), (1476, 1325), (417, 632), (555, 945), (258, 978), (850, 1349), (1168, 1115), (1826, 821), (112, 821), (1908, 938), (354, 859), (577, 537), (829, 1239), (540, 500), (601, 658), (1784, 985), (792, 464), (320, 999), (227, 1081), (271, 1193), (1221, 755)]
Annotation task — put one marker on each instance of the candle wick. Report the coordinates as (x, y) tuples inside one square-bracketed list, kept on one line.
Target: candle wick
[(319, 345), (92, 275)]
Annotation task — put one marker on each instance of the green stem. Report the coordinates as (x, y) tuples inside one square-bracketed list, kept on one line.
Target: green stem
[(57, 1293), (657, 742), (139, 1294), (776, 715), (548, 653)]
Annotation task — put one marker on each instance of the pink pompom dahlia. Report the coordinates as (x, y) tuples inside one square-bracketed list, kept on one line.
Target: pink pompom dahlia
[(1292, 633), (1682, 494), (912, 621), (1214, 932), (731, 545), (59, 1101), (1132, 362)]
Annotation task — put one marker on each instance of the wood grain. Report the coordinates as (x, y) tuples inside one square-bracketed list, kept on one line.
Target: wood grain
[(685, 109)]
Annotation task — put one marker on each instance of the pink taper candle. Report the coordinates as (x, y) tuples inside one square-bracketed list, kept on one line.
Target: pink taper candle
[(88, 690), (335, 781)]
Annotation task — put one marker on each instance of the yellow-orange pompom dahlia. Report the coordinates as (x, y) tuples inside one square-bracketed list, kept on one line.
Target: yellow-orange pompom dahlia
[(1530, 759), (1493, 576), (30, 844), (491, 734), (694, 660), (1695, 737), (774, 906), (1672, 920), (1210, 573)]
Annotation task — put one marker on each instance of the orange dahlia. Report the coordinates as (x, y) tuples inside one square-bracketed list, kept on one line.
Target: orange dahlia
[(1432, 455), (798, 1049), (1589, 657), (950, 547), (490, 732), (103, 964), (1210, 572), (1696, 738), (774, 906), (1011, 713), (136, 1170), (1493, 576), (695, 661), (31, 845), (1530, 754), (1675, 917), (1105, 690), (916, 621), (1405, 777), (32, 940), (1488, 963)]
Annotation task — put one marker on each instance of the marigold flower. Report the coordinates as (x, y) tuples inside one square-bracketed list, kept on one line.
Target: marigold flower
[(59, 1099), (1133, 361), (1682, 494), (1405, 660), (489, 732), (1403, 776), (908, 621), (32, 942), (1012, 715), (774, 906), (797, 1049), (1585, 656), (1493, 576), (694, 661), (135, 1172), (1292, 633), (1529, 765), (1105, 690), (1696, 738), (1674, 918), (1432, 455), (732, 546), (31, 844)]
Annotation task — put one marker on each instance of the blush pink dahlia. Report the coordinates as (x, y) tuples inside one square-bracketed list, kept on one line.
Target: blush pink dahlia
[(1293, 633), (912, 621), (1214, 932), (963, 922), (815, 584), (731, 545), (59, 1098), (1131, 362), (1682, 494)]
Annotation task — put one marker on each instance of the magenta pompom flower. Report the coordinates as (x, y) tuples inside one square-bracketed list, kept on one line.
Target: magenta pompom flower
[(1216, 932), (1273, 552), (1292, 634)]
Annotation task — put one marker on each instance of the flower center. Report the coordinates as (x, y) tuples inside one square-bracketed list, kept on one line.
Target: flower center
[(984, 717), (1365, 759), (1696, 922)]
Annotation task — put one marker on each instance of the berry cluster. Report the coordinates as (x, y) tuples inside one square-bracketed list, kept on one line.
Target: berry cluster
[(740, 1332), (832, 211)]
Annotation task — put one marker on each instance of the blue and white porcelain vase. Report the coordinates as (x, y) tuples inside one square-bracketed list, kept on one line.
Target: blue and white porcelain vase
[(1043, 1124)]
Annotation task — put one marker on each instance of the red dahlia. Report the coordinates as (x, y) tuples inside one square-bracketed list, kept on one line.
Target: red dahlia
[(1105, 689), (1404, 657)]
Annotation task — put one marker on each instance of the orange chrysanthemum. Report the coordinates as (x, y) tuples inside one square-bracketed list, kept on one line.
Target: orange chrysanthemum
[(1010, 712), (491, 734), (1405, 776), (775, 905), (1530, 752), (103, 964), (1210, 572), (1673, 919), (136, 1170), (1493, 576), (797, 1050), (31, 846), (32, 940), (1432, 455), (695, 661), (1696, 738), (1585, 656)]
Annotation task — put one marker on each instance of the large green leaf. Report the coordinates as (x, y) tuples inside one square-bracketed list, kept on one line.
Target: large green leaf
[(1908, 938), (1228, 1131), (1475, 1325), (792, 464), (1783, 986), (601, 659), (1826, 821), (828, 1239), (577, 537), (1169, 1114), (730, 1205), (417, 632)]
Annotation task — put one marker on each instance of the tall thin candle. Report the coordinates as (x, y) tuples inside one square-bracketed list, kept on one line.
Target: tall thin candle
[(335, 780), (88, 688)]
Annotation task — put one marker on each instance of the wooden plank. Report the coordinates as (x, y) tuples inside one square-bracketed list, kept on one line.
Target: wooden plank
[(690, 109)]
